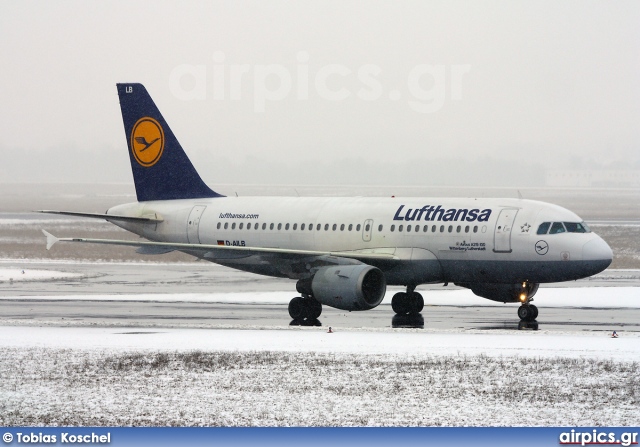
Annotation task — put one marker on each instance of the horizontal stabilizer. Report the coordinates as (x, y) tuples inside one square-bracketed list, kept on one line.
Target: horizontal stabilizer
[(105, 216), (51, 239)]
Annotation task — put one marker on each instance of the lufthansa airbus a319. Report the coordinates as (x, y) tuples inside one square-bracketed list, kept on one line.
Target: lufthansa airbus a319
[(344, 252)]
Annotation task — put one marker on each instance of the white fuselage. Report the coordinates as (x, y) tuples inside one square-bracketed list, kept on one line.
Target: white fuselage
[(433, 239)]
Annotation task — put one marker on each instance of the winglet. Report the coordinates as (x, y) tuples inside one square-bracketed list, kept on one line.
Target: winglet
[(51, 239)]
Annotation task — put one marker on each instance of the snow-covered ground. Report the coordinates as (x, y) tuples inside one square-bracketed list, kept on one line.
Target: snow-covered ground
[(106, 387), (305, 376), (18, 274), (401, 342)]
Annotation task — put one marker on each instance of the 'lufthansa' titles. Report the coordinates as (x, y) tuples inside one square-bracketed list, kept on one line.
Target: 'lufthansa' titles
[(438, 213)]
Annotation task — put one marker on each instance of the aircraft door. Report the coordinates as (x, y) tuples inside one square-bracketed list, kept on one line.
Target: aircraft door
[(193, 224), (502, 235), (367, 228)]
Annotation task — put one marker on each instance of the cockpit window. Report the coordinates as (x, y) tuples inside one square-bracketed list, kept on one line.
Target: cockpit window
[(577, 227), (544, 227), (556, 228), (561, 227)]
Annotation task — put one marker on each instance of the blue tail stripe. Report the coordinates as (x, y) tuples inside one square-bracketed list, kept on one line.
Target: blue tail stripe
[(164, 172)]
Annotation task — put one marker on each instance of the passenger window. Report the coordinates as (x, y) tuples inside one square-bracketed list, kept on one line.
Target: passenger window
[(358, 227), (271, 226), (441, 228), (279, 226), (218, 226), (458, 229), (295, 227), (248, 226), (318, 227), (334, 227), (433, 228), (557, 228), (326, 227), (417, 228), (310, 227), (475, 228), (233, 226), (286, 227), (379, 227), (450, 228), (241, 225), (400, 228), (342, 227), (367, 227), (466, 229), (544, 227), (393, 228), (350, 227), (302, 227), (408, 228), (426, 228), (226, 225)]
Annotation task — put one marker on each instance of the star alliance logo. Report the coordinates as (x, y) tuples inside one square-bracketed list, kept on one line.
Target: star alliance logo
[(525, 228)]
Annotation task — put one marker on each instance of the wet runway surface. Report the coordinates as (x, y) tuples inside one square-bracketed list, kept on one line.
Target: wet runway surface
[(67, 304), (211, 315)]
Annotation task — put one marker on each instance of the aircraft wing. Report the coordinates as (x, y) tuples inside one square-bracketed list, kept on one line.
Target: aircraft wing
[(144, 219), (211, 251)]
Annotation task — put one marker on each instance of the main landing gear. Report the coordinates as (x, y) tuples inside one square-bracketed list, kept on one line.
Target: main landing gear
[(406, 303), (306, 307)]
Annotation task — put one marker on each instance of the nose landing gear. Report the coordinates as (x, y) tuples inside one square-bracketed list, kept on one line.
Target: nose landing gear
[(528, 312)]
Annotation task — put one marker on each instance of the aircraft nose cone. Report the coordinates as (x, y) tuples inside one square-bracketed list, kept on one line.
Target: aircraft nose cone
[(597, 250)]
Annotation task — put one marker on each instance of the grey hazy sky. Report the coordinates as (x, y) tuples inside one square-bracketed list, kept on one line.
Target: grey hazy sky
[(550, 80)]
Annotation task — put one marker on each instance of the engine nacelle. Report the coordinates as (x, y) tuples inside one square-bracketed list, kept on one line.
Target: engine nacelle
[(347, 287), (505, 293)]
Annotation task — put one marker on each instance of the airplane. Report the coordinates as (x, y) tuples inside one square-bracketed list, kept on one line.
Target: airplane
[(344, 252)]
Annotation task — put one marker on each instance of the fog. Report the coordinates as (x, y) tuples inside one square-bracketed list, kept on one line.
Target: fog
[(338, 92)]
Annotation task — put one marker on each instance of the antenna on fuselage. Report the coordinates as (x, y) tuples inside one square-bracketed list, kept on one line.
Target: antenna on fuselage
[(519, 195)]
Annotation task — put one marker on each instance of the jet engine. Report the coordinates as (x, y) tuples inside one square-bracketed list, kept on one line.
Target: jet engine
[(505, 293), (347, 287)]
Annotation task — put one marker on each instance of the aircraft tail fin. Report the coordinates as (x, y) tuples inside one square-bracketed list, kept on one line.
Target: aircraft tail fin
[(161, 168)]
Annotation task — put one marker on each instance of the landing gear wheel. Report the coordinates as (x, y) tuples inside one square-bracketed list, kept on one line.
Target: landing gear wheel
[(528, 312), (523, 312), (418, 303), (301, 308), (399, 303), (297, 308), (407, 303), (314, 308)]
